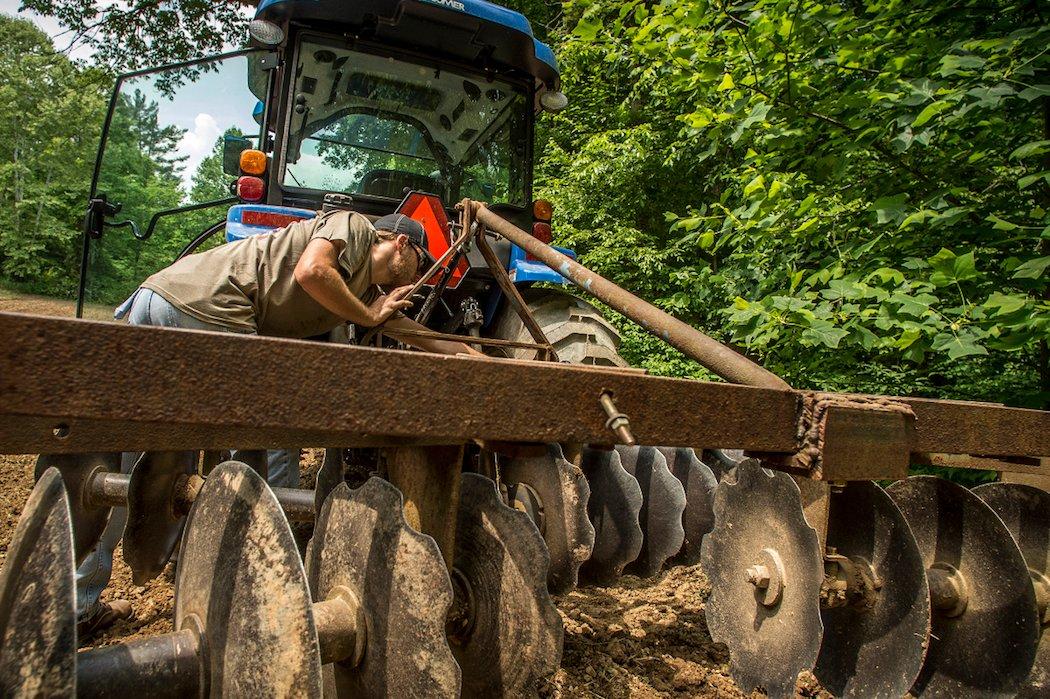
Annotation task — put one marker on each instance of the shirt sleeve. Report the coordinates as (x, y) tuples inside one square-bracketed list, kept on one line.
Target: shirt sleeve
[(354, 231)]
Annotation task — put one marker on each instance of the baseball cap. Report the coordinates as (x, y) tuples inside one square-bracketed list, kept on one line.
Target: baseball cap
[(400, 224)]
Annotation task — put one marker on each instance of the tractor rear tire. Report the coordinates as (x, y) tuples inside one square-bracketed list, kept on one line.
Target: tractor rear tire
[(577, 330)]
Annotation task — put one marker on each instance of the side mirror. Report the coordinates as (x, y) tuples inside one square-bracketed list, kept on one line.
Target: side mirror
[(232, 147)]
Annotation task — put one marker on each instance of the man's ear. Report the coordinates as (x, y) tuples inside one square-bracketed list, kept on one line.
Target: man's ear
[(402, 241)]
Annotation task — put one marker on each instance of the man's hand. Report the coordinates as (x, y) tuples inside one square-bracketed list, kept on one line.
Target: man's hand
[(386, 306)]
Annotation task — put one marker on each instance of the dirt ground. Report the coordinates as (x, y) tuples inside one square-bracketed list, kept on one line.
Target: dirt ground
[(14, 302), (640, 639)]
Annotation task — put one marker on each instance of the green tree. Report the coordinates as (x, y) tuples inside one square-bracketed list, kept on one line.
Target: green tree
[(855, 194), (50, 114)]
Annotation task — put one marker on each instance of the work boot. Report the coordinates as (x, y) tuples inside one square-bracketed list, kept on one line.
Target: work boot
[(100, 616)]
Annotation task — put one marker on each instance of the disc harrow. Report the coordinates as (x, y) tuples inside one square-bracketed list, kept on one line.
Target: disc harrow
[(433, 579)]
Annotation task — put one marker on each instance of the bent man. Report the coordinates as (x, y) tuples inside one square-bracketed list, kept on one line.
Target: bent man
[(298, 282)]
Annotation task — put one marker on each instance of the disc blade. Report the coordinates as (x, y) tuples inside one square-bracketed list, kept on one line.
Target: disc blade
[(363, 543), (772, 632), (242, 585), (563, 494), (955, 527), (722, 460), (77, 470), (877, 650), (154, 522), (514, 638), (613, 508), (663, 502), (329, 476), (698, 481), (38, 616), (1025, 510)]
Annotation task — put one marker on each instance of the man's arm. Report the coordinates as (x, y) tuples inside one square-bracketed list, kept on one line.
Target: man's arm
[(318, 273), (425, 343)]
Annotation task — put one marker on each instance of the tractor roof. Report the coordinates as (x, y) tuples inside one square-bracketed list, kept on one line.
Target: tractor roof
[(478, 32)]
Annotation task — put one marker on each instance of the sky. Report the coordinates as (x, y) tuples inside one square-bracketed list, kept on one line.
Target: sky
[(205, 109)]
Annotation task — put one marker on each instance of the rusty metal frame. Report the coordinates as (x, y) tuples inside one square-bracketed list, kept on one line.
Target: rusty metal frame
[(73, 385)]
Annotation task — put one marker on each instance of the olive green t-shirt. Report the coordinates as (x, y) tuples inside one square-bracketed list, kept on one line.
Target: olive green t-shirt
[(249, 285)]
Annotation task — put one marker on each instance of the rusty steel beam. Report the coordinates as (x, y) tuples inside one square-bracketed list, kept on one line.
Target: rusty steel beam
[(74, 385), (722, 360), (105, 386)]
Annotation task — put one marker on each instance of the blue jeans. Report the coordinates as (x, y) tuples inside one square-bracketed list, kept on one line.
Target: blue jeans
[(149, 308)]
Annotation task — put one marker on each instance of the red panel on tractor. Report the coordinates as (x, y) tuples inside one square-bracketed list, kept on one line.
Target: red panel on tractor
[(429, 211), (268, 219)]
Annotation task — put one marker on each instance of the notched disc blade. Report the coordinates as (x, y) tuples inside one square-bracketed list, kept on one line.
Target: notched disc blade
[(1025, 511), (721, 461), (88, 519), (613, 508), (563, 493), (241, 581), (328, 476), (759, 520), (515, 639), (876, 651), (698, 481), (363, 543), (38, 617), (989, 648), (154, 523), (663, 502)]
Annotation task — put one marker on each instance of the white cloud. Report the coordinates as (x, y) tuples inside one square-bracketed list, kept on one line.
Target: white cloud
[(197, 144)]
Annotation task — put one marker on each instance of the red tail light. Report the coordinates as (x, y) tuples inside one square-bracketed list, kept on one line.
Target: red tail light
[(250, 189), (542, 232)]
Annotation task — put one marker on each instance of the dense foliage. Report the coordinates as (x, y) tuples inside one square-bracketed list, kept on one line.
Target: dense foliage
[(854, 193)]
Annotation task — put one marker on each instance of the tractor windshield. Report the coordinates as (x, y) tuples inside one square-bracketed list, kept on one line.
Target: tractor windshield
[(366, 124)]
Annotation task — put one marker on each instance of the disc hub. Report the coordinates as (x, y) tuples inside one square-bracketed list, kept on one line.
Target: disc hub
[(949, 591), (767, 575)]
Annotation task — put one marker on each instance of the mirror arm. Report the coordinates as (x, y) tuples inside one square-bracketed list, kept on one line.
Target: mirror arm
[(178, 210)]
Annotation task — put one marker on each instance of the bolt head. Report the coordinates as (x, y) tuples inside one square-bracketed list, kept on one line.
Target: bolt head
[(758, 575)]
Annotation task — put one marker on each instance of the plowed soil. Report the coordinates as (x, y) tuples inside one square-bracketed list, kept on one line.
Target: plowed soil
[(639, 638)]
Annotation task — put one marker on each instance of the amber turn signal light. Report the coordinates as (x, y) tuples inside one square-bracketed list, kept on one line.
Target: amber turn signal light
[(542, 210), (253, 162)]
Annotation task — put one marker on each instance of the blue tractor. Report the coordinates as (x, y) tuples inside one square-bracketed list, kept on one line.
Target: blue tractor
[(406, 105), (411, 106)]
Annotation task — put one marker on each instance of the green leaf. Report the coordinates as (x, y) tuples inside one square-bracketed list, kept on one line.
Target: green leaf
[(1000, 224), (1030, 149), (822, 332), (727, 83), (1028, 180), (1005, 305), (805, 226), (907, 338), (957, 345), (757, 184), (930, 112), (587, 28), (952, 64), (758, 114), (1034, 92), (1033, 269), (889, 208)]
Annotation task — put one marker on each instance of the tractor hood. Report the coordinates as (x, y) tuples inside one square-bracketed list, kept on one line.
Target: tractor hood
[(477, 32)]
